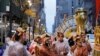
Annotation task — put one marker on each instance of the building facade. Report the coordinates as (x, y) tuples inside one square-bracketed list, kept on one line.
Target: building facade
[(17, 9), (67, 7), (43, 28), (40, 19)]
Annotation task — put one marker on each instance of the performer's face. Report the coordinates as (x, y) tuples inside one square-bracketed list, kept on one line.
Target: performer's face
[(46, 42), (83, 36), (79, 43), (38, 40), (60, 38)]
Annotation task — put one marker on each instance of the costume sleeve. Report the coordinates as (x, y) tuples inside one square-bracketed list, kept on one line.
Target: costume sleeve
[(89, 47), (26, 52), (85, 52)]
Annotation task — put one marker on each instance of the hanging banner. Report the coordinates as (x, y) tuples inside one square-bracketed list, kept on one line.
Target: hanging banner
[(97, 8)]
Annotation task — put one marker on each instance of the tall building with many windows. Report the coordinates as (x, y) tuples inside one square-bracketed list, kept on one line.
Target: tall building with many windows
[(67, 7), (20, 11)]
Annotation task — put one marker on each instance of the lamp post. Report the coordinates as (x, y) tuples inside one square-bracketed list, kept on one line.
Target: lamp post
[(32, 13), (33, 27), (30, 4), (5, 18), (39, 25), (41, 29), (9, 10), (29, 25), (29, 22)]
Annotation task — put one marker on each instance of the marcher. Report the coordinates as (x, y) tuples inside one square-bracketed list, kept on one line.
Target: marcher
[(80, 50), (85, 42), (61, 45), (9, 41), (71, 41), (18, 49), (35, 43), (72, 45), (46, 49)]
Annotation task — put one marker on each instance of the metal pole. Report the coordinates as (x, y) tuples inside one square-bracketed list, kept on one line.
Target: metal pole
[(10, 21), (29, 32), (39, 27), (29, 23), (1, 35), (5, 18), (33, 27)]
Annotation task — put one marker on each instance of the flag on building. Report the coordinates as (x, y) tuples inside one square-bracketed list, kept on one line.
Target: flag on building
[(97, 8)]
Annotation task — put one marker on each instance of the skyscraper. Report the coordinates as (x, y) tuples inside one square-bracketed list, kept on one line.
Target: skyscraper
[(67, 7)]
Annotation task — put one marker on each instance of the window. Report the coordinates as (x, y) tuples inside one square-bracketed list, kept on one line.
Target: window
[(79, 2)]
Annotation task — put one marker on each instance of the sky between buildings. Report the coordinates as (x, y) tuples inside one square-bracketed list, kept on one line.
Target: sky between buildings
[(50, 10)]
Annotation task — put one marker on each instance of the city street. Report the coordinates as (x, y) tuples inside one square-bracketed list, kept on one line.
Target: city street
[(49, 27)]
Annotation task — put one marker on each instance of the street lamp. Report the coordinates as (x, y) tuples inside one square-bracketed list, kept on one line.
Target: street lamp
[(32, 13), (4, 26), (8, 11), (30, 3), (39, 26)]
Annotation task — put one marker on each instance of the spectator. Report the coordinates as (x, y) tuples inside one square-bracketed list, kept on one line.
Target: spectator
[(46, 49), (17, 49), (61, 45), (80, 50), (36, 43), (85, 42), (71, 41)]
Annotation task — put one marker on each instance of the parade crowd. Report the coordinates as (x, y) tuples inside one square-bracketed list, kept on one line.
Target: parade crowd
[(46, 45)]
